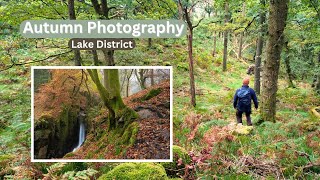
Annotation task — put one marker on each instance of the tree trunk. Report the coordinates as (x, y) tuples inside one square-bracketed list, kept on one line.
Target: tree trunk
[(225, 39), (258, 54), (149, 42), (119, 114), (277, 21), (214, 44), (288, 68), (242, 33), (108, 56), (140, 74), (192, 86), (180, 11), (317, 82), (152, 77), (95, 58), (72, 16)]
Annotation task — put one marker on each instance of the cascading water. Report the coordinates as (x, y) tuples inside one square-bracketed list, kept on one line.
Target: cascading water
[(82, 135)]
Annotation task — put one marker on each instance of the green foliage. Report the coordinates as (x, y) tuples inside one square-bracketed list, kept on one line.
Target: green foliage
[(135, 171), (173, 168), (60, 171)]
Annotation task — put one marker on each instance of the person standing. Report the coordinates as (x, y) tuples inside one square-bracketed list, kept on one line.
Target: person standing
[(242, 101)]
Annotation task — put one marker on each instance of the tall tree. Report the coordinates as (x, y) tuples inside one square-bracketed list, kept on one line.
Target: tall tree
[(103, 10), (278, 11), (225, 37), (257, 71), (72, 16), (242, 33), (187, 9), (142, 76), (317, 78)]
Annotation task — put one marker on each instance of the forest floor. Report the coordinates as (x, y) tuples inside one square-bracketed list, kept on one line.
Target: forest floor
[(287, 148), (153, 137)]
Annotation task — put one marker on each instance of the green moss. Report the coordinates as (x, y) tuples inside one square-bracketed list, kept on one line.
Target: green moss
[(172, 167), (129, 135), (136, 171), (152, 93), (70, 154)]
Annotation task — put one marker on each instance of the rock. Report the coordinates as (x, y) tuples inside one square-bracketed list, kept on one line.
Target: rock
[(316, 112), (243, 130), (146, 113)]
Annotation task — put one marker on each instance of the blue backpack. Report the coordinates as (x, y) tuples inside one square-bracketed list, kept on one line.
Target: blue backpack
[(244, 97)]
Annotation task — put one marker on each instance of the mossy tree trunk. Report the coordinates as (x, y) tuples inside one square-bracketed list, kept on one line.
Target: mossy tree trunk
[(119, 114), (242, 33), (225, 39), (72, 16), (262, 30), (277, 21)]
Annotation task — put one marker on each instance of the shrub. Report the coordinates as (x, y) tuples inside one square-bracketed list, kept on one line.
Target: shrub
[(172, 168)]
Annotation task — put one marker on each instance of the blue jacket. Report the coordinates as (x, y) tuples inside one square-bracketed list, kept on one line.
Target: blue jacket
[(245, 107)]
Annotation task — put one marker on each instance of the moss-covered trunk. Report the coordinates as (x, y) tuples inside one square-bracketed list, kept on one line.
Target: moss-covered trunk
[(119, 114), (277, 21)]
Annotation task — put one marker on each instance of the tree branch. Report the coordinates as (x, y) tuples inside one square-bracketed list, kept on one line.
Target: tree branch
[(197, 23), (30, 62)]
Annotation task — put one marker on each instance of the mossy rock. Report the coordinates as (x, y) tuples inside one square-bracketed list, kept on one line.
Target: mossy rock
[(242, 130), (172, 167), (136, 171), (152, 93)]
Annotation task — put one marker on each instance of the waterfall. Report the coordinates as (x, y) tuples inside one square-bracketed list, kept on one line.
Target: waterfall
[(82, 134)]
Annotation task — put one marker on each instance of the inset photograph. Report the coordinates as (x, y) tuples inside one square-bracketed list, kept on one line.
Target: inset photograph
[(103, 114)]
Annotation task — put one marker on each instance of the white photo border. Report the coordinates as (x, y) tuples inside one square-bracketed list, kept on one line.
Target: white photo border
[(101, 67)]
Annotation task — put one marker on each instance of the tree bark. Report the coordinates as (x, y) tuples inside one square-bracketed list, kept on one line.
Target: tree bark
[(140, 74), (242, 33), (317, 82), (225, 39), (149, 42), (108, 56), (152, 77), (119, 114), (258, 54), (277, 21), (214, 44), (72, 16), (95, 58), (288, 67), (192, 86)]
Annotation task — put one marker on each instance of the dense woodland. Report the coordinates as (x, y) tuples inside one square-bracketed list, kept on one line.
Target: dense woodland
[(275, 43)]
